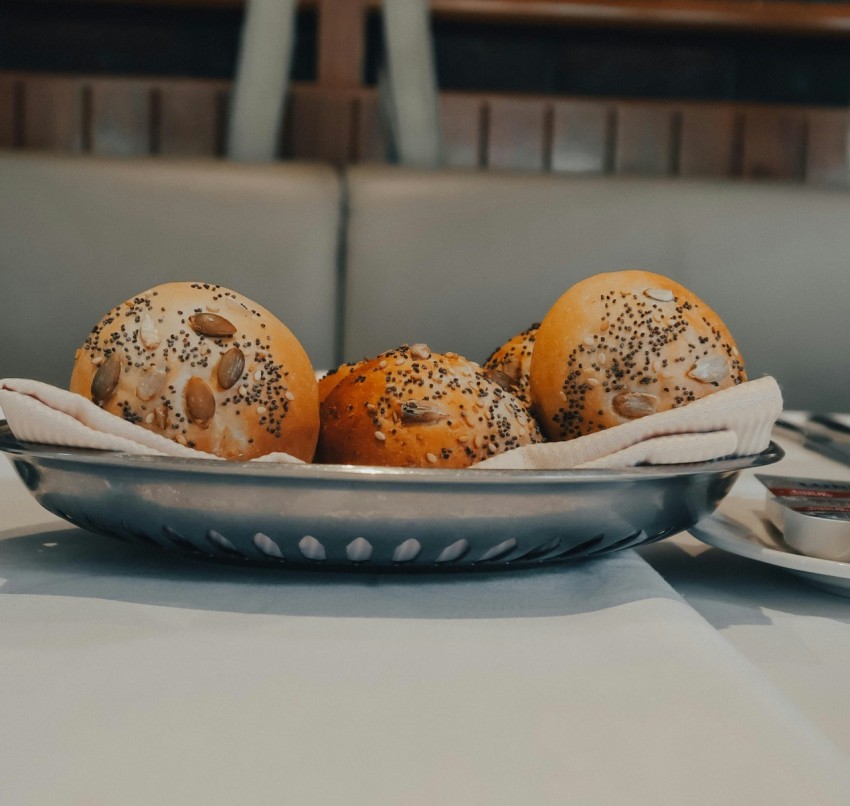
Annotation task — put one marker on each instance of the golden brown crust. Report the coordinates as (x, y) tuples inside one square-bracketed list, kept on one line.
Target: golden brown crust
[(206, 367), (413, 408), (625, 344), (329, 380), (510, 364)]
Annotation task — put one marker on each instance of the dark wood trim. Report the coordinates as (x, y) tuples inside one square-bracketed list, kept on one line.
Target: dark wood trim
[(755, 16), (759, 16)]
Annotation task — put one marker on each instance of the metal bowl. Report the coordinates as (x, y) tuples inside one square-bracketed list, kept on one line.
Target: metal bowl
[(368, 517)]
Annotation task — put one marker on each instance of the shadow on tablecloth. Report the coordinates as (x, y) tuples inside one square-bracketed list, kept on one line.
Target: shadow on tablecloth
[(71, 562), (729, 590)]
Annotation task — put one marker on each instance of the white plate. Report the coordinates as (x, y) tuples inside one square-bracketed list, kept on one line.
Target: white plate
[(741, 526)]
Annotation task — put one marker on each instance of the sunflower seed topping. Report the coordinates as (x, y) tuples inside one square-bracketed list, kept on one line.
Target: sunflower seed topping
[(211, 324), (230, 367), (106, 379), (415, 413), (200, 402), (634, 404), (660, 294)]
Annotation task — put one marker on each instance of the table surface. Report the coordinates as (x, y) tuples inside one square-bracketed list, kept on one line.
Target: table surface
[(675, 673)]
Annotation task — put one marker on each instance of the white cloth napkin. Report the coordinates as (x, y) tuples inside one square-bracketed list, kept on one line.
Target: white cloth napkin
[(732, 422), (39, 412)]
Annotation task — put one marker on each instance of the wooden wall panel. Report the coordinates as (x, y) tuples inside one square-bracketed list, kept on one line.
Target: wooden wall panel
[(187, 117), (828, 148), (121, 117), (708, 141), (461, 120), (774, 145), (645, 140), (53, 114), (9, 89), (342, 42), (516, 135), (581, 137), (190, 118), (371, 136), (321, 126)]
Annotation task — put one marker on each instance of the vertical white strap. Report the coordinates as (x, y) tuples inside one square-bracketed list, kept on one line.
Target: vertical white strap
[(262, 74), (412, 82)]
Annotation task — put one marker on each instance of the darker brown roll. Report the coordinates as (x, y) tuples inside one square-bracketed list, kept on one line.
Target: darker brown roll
[(413, 408), (510, 364)]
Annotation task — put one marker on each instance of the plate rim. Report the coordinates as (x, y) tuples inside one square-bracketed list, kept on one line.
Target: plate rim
[(11, 446), (792, 561)]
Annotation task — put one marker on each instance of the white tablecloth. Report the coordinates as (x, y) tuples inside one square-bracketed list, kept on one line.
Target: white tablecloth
[(132, 677), (796, 635)]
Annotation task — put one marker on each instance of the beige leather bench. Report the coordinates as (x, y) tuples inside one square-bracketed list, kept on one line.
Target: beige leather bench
[(462, 260), (78, 235)]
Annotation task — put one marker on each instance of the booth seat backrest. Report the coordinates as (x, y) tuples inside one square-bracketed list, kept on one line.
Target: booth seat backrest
[(463, 260), (79, 235)]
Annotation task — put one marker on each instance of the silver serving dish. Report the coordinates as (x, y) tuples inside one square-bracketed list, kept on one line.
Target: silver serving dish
[(367, 517)]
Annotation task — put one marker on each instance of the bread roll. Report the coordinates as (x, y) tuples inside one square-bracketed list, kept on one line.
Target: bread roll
[(510, 364), (206, 367), (624, 345), (413, 408), (330, 379)]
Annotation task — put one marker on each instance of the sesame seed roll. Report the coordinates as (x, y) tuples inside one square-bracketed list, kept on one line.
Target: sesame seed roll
[(206, 367), (624, 345), (410, 407), (510, 364)]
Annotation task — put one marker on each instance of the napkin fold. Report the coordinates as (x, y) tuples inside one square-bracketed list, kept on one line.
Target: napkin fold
[(45, 414), (733, 422)]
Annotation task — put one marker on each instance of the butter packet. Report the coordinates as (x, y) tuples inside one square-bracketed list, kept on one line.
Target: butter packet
[(812, 514)]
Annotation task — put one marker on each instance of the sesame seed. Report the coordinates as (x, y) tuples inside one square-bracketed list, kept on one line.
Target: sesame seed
[(479, 440), (430, 457), (380, 436), (261, 409), (288, 395), (258, 375)]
